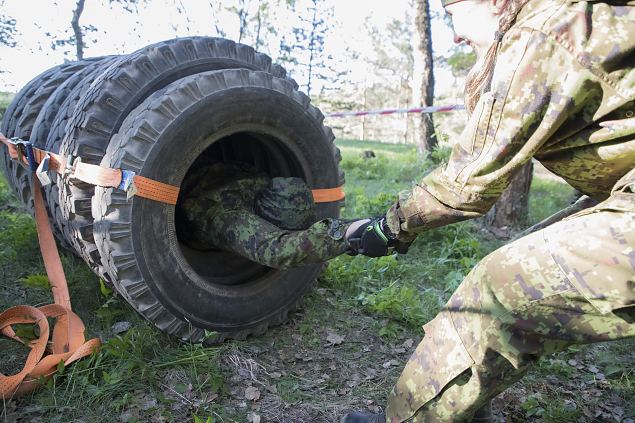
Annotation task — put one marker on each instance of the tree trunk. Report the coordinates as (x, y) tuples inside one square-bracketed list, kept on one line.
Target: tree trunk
[(365, 117), (242, 18), (312, 47), (259, 25), (511, 210), (428, 139), (79, 37)]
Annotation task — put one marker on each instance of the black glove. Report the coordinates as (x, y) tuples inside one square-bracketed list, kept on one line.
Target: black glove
[(372, 238)]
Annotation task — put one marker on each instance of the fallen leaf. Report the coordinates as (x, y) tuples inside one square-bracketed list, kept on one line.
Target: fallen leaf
[(334, 339), (570, 405), (252, 393), (121, 327), (374, 408), (408, 343), (253, 418)]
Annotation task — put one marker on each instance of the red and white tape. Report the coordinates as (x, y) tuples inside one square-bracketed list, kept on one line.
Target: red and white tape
[(431, 109)]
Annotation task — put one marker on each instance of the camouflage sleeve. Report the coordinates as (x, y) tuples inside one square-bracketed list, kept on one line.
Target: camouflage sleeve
[(537, 85), (254, 238)]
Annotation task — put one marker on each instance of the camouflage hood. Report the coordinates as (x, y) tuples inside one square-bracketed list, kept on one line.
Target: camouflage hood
[(221, 187), (287, 203)]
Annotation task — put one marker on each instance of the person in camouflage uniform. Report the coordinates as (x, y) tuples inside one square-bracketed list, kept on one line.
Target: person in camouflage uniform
[(269, 221), (562, 91)]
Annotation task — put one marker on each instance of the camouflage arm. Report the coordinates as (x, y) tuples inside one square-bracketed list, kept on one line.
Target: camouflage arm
[(254, 238), (537, 86)]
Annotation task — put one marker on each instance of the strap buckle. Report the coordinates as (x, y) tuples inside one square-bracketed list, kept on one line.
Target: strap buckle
[(25, 149), (127, 183)]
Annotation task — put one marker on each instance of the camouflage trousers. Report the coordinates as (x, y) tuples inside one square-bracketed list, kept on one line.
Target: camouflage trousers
[(570, 283)]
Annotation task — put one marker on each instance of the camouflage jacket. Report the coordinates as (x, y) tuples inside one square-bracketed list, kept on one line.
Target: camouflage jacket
[(221, 215), (562, 92)]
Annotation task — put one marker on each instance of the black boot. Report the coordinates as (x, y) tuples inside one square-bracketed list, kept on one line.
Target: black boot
[(363, 418), (483, 414)]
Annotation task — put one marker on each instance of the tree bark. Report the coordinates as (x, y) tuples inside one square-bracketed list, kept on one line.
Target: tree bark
[(259, 25), (428, 139), (511, 210), (242, 18), (79, 37)]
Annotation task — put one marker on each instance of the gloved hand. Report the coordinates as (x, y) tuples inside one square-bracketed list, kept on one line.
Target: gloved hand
[(372, 238)]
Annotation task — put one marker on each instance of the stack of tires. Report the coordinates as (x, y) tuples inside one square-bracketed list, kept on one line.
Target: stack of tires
[(163, 112)]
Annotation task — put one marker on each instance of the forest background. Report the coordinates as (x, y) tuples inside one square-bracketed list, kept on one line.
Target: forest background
[(345, 55)]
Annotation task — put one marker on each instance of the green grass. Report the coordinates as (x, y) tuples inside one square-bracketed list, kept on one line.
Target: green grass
[(547, 197), (130, 370), (407, 289)]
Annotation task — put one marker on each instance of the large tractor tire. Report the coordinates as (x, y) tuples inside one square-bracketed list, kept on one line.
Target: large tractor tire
[(39, 114), (124, 86), (51, 132), (18, 109), (233, 115)]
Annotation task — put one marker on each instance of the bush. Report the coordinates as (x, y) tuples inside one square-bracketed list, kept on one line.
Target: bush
[(5, 100)]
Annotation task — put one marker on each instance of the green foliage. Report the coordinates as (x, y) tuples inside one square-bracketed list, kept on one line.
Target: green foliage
[(360, 205), (550, 366), (8, 30), (547, 197), (440, 155), (104, 290), (373, 168), (37, 281), (552, 410), (558, 412), (132, 365), (18, 244), (532, 406), (404, 303), (406, 290), (305, 49), (288, 389), (460, 62), (5, 100)]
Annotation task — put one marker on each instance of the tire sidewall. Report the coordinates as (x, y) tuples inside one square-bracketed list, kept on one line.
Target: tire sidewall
[(160, 260)]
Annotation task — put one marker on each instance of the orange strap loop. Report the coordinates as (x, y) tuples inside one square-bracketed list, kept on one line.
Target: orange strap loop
[(144, 187), (68, 343), (328, 195)]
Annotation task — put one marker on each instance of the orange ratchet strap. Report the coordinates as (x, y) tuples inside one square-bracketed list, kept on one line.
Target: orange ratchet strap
[(97, 175), (126, 180), (68, 343)]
